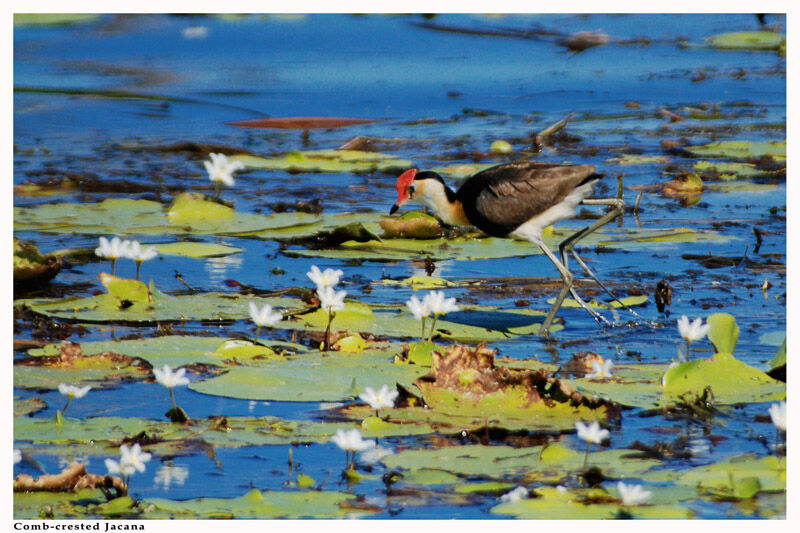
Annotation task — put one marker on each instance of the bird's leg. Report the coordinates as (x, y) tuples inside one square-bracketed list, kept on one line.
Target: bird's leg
[(566, 275), (597, 316), (567, 246)]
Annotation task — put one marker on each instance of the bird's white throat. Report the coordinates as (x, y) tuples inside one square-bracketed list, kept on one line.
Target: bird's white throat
[(432, 194)]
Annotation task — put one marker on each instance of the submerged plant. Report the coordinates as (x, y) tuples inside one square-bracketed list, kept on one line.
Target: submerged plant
[(264, 317), (220, 170), (170, 380), (351, 442), (592, 434), (131, 460), (71, 391), (113, 250), (692, 331), (136, 253), (383, 397)]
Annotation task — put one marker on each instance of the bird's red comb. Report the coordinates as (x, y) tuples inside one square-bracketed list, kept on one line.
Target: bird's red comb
[(403, 181)]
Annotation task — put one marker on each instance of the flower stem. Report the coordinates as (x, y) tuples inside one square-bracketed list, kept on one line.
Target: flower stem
[(688, 349), (64, 410), (327, 345), (172, 397), (433, 328), (586, 455), (113, 264), (422, 338), (138, 268), (258, 328)]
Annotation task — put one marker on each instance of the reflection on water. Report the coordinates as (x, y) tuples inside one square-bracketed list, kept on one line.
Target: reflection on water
[(168, 474), (221, 268)]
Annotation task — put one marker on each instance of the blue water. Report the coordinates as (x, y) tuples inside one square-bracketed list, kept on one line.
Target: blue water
[(394, 69)]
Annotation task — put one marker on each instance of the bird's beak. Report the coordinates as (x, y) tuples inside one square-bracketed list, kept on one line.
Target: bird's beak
[(394, 209)]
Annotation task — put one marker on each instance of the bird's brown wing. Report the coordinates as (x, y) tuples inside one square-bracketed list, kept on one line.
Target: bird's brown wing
[(499, 199)]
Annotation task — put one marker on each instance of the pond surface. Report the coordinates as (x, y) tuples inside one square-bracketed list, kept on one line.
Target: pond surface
[(107, 100)]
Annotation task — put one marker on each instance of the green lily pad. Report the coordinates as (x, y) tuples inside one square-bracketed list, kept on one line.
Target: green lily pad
[(502, 462), (298, 378), (350, 344), (419, 353), (196, 250), (723, 333), (747, 40), (373, 427), (728, 171), (628, 301), (100, 371), (461, 171), (428, 477), (179, 350), (632, 159), (632, 385), (730, 380), (411, 225), (190, 213), (780, 357), (335, 161), (28, 406), (469, 248), (254, 504), (106, 308), (741, 149), (485, 487), (54, 19), (62, 505), (31, 267), (421, 282), (73, 430), (770, 471), (125, 289), (551, 504)]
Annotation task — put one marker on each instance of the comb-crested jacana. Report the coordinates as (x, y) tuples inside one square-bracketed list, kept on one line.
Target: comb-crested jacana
[(517, 200)]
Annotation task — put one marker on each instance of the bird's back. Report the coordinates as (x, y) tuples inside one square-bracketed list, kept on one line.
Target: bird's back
[(500, 199)]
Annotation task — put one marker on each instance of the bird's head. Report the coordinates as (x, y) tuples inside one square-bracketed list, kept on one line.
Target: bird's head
[(421, 187)]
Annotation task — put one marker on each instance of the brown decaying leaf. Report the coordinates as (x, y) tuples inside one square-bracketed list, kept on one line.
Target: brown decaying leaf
[(583, 40), (301, 123), (448, 371), (72, 351), (73, 477)]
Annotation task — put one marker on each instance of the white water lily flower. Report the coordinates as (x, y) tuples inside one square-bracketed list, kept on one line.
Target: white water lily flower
[(591, 433), (113, 249), (17, 456), (601, 370), (166, 475), (438, 304), (221, 170), (515, 495), (351, 441), (131, 460), (632, 494), (693, 331), (380, 399), (136, 253), (72, 391), (331, 300), (326, 278), (171, 379), (418, 308), (777, 412), (264, 316)]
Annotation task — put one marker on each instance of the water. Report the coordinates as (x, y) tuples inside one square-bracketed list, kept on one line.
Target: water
[(395, 69)]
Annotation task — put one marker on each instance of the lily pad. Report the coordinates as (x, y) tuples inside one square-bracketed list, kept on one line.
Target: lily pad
[(770, 471), (298, 378), (723, 332), (411, 225), (54, 19), (731, 381), (727, 171), (196, 250), (741, 149), (58, 505), (551, 503), (336, 161), (747, 40), (461, 171), (421, 282), (632, 159), (190, 213), (255, 504), (31, 267)]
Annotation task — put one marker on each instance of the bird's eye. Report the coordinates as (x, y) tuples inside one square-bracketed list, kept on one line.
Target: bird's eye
[(411, 189)]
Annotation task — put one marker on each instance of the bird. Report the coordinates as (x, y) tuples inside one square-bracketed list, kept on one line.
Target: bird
[(517, 200)]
